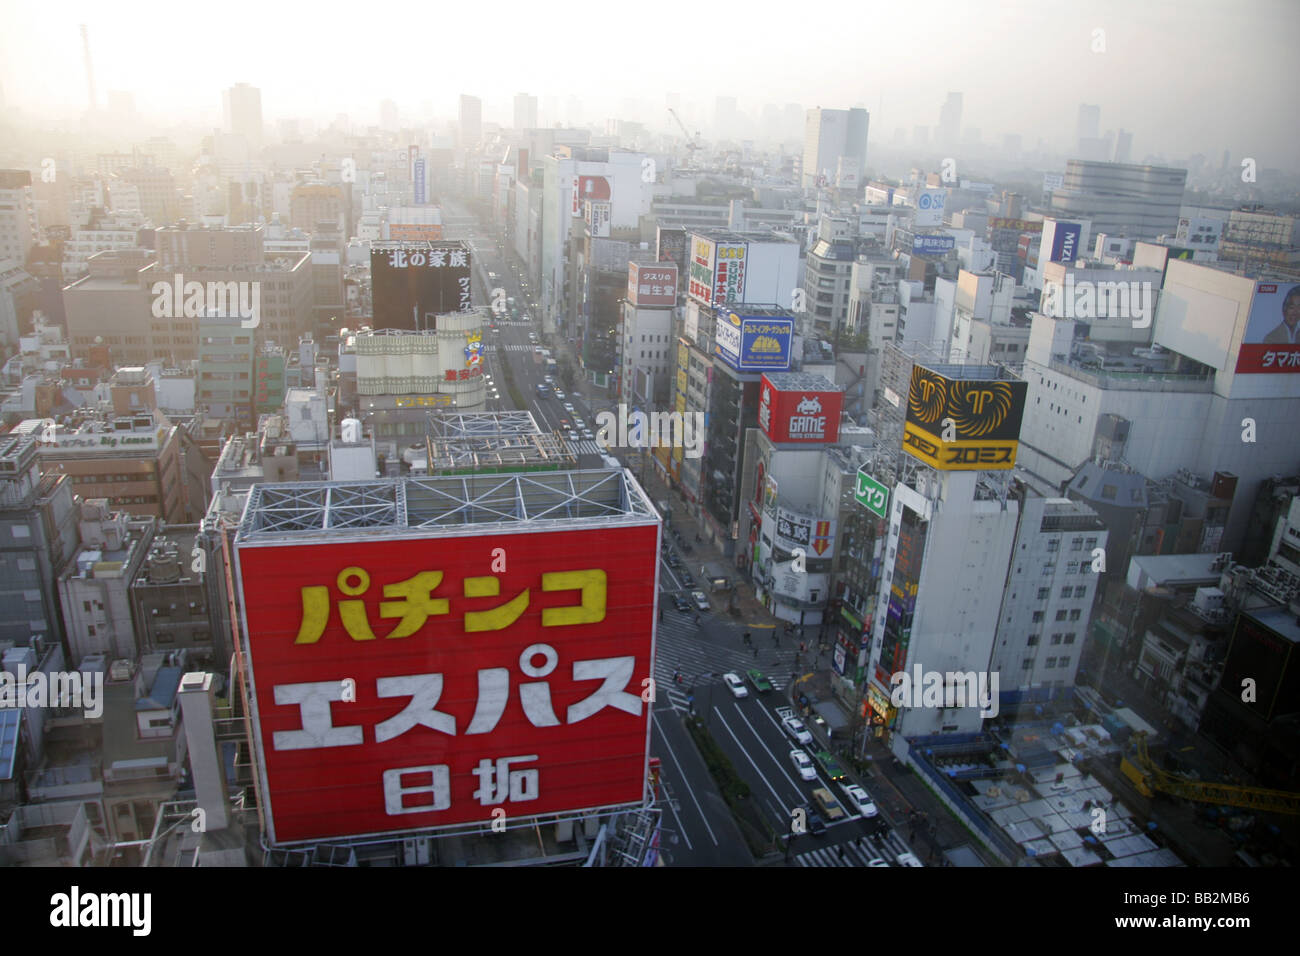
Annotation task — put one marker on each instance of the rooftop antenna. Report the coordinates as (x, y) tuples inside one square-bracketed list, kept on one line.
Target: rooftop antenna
[(90, 72)]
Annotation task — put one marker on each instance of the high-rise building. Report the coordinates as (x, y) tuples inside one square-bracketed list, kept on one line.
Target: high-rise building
[(471, 120), (835, 148), (1141, 202), (525, 111), (949, 121), (17, 215), (243, 113), (1089, 123), (1123, 146), (39, 524), (724, 116)]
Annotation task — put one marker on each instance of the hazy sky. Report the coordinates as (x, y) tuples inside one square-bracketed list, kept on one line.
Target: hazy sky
[(1186, 76)]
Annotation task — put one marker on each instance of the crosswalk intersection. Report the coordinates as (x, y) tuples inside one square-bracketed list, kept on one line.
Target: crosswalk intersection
[(886, 846), (679, 647), (585, 446)]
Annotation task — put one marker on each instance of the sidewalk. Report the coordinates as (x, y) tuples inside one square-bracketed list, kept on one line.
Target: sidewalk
[(752, 612)]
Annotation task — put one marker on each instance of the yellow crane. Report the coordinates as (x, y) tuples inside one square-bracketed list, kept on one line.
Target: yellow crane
[(1138, 766)]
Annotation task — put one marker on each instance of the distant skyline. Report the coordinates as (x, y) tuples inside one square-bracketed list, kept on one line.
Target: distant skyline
[(1185, 77)]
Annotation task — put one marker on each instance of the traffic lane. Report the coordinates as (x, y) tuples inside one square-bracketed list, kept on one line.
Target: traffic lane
[(707, 834), (775, 790), (765, 747)]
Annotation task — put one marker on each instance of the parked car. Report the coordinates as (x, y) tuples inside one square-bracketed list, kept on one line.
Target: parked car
[(735, 685), (803, 763), (687, 579), (681, 604)]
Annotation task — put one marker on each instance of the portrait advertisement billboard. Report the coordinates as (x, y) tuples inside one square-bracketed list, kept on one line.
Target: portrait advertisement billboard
[(1271, 342), (402, 683)]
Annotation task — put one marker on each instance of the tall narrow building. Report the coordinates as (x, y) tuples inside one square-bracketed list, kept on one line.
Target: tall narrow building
[(834, 148), (471, 120), (243, 113)]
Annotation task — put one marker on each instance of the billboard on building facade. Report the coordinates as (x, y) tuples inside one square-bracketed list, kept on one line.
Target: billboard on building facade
[(700, 275), (932, 245), (799, 415), (403, 683), (963, 424), (1065, 242), (729, 272), (1271, 342), (412, 282), (929, 207), (652, 286), (598, 215), (753, 343)]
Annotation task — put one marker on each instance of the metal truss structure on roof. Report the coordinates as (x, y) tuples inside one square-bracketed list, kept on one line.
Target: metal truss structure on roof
[(460, 442), (417, 506)]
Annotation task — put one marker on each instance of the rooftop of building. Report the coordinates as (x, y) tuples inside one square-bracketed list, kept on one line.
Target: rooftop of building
[(1110, 483), (1281, 618), (1177, 570), (726, 235), (802, 382), (413, 506), (969, 373)]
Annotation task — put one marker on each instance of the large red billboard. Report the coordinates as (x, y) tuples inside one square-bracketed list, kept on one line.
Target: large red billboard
[(403, 684), (652, 285), (797, 415)]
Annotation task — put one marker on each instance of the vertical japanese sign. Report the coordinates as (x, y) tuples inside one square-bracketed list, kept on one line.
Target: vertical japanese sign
[(411, 683), (729, 274), (700, 281), (421, 193)]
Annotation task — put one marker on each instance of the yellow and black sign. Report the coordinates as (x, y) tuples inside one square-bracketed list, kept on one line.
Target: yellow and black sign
[(979, 418)]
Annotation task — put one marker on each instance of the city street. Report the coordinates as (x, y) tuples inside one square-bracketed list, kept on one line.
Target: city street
[(691, 657)]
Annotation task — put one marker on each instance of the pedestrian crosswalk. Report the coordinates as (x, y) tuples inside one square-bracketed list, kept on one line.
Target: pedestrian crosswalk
[(679, 647), (880, 846), (585, 446), (489, 349)]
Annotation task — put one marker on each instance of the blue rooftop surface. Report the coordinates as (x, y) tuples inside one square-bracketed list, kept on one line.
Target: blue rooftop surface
[(165, 684), (10, 721)]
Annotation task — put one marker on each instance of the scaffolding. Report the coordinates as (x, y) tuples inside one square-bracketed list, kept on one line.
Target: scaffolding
[(416, 505)]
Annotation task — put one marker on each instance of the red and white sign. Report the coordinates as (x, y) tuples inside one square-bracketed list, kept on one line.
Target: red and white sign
[(799, 416), (652, 285), (407, 683), (593, 188)]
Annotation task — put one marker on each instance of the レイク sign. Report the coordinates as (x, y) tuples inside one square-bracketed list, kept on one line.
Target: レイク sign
[(409, 683)]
